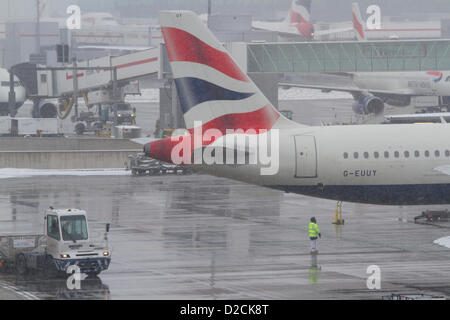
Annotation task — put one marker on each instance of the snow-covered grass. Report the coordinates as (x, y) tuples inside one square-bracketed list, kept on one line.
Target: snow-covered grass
[(310, 94), (152, 95), (445, 242), (147, 95)]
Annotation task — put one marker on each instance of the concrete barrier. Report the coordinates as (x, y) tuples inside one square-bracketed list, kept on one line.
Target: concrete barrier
[(62, 153)]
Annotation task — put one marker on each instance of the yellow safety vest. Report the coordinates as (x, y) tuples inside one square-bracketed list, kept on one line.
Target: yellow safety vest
[(313, 230)]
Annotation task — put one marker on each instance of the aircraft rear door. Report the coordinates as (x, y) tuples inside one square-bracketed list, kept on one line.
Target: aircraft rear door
[(306, 157)]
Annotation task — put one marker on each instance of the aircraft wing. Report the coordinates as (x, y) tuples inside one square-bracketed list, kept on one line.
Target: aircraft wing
[(351, 89), (443, 117), (276, 27), (143, 141)]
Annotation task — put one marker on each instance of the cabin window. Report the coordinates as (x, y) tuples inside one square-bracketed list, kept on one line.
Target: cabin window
[(406, 153), (376, 154), (437, 153), (427, 153), (386, 154), (416, 154), (366, 155), (345, 155), (447, 153), (396, 154), (355, 155)]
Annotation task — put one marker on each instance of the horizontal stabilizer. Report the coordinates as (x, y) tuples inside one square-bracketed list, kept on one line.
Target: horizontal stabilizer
[(143, 141)]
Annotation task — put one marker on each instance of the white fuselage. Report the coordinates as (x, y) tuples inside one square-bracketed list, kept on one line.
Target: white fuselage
[(406, 30), (385, 164), (413, 82)]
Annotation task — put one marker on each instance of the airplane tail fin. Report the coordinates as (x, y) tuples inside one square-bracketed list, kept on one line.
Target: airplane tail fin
[(210, 85), (358, 24), (44, 9), (299, 12), (299, 17)]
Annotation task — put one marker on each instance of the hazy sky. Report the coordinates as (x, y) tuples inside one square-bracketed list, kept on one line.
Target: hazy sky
[(322, 10)]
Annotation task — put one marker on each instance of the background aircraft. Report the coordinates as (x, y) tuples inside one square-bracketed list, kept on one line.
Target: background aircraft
[(297, 22), (372, 90), (4, 92)]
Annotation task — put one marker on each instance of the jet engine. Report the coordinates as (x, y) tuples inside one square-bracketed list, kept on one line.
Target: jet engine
[(45, 109), (368, 105)]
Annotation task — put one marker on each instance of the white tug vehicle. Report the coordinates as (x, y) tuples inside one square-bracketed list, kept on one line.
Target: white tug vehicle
[(65, 243)]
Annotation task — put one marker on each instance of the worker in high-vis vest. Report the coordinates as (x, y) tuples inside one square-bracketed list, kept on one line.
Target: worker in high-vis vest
[(313, 232)]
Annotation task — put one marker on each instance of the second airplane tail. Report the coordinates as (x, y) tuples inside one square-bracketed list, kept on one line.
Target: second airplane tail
[(299, 17), (358, 24)]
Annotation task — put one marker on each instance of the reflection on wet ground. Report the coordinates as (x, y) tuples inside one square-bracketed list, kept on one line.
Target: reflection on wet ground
[(202, 237), (37, 285)]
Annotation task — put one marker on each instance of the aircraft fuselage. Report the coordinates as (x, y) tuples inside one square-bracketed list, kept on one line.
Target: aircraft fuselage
[(378, 164)]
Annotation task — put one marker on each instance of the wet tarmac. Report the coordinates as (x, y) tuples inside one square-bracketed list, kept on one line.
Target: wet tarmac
[(202, 237)]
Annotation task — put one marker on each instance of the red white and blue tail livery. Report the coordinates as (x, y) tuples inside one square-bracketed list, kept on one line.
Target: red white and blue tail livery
[(380, 164), (210, 85)]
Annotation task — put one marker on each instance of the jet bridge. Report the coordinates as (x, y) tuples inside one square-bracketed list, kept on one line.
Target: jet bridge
[(348, 56), (96, 74), (99, 81)]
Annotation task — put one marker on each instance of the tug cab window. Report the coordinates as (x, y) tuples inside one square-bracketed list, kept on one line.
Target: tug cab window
[(53, 227), (74, 228)]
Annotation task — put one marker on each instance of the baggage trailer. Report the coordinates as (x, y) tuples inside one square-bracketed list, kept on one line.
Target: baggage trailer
[(64, 243), (143, 165)]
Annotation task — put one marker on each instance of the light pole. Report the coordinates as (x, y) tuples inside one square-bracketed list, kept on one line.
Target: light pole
[(38, 27)]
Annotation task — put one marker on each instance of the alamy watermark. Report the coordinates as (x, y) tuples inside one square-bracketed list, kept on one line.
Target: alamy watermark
[(73, 22), (74, 280), (374, 20), (232, 147), (374, 280)]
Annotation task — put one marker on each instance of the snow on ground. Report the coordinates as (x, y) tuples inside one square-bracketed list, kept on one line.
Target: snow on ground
[(445, 242), (147, 95), (310, 94), (8, 173), (152, 95)]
